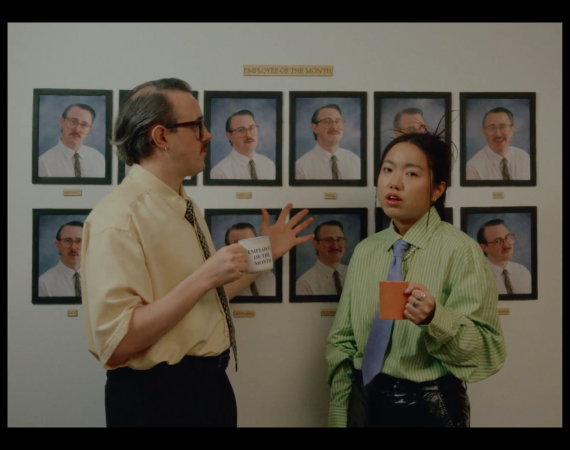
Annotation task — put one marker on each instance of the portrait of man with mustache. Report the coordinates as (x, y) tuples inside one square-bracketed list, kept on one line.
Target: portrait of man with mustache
[(70, 157), (327, 160), (64, 279)]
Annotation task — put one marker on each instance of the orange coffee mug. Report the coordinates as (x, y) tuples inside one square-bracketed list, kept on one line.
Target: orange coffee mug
[(393, 300)]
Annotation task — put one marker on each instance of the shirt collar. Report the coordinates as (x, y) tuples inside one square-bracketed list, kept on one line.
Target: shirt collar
[(498, 270), (420, 232), (241, 158), (326, 269), (67, 152), (176, 200), (67, 271), (323, 153), (494, 156)]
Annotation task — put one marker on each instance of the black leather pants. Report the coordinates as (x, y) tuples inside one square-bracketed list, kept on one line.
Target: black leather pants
[(390, 402)]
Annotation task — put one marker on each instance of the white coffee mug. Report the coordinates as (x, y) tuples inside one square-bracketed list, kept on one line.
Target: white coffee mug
[(259, 255)]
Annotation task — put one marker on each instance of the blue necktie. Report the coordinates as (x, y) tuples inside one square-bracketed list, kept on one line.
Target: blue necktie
[(381, 330)]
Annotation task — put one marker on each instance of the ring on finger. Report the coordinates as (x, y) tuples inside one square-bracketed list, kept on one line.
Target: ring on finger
[(422, 295), (415, 303)]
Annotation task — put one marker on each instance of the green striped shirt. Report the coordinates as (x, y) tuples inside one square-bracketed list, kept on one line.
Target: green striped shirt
[(464, 337)]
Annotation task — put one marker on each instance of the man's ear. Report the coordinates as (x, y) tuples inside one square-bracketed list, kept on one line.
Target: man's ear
[(314, 127), (159, 136), (229, 136), (61, 121)]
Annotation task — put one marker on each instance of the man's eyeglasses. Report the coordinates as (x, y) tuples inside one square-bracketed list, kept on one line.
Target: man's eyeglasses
[(330, 240), (328, 123), (241, 131), (510, 238), (84, 127), (199, 122), (68, 241), (412, 129), (502, 128)]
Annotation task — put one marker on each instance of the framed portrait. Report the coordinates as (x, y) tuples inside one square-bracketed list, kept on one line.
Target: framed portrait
[(317, 269), (246, 129), (396, 113), (227, 226), (71, 136), (56, 272), (507, 236), (123, 169), (498, 138), (327, 138), (382, 221)]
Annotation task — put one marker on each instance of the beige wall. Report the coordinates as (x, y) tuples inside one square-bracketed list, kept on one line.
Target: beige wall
[(54, 381)]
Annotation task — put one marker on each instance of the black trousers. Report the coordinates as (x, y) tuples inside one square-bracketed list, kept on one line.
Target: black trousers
[(390, 402), (196, 392)]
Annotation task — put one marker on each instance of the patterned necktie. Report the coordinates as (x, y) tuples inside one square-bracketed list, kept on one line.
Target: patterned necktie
[(337, 283), (508, 284), (77, 278), (381, 329), (505, 169), (334, 159), (252, 171), (191, 217), (254, 290), (77, 165)]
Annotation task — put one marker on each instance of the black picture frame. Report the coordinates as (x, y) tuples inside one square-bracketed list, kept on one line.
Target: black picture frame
[(48, 107), (520, 220), (45, 256), (267, 107), (302, 105), (382, 221), (219, 220), (473, 107), (355, 223), (122, 170), (387, 104)]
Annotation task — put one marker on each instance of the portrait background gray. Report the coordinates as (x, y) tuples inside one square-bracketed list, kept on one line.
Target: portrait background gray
[(517, 223), (50, 109), (306, 256), (433, 109), (48, 225), (305, 108), (265, 112), (221, 222), (475, 109)]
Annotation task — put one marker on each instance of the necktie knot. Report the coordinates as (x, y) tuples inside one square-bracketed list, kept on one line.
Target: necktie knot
[(399, 247)]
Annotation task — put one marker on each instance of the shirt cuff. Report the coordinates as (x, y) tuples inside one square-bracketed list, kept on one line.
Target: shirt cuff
[(441, 325), (337, 417)]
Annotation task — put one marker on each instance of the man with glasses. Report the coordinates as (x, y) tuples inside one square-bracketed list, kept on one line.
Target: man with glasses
[(155, 290), (328, 161), (70, 158), (409, 120), (64, 279), (243, 163), (327, 276), (498, 245), (499, 160), (265, 283)]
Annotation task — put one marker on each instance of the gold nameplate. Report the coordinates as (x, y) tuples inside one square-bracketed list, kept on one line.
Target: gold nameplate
[(498, 195), (504, 311), (330, 195), (243, 194), (328, 312), (72, 192), (287, 71), (244, 313), (72, 313)]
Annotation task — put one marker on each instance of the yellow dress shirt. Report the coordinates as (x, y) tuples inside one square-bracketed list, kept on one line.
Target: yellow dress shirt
[(137, 246)]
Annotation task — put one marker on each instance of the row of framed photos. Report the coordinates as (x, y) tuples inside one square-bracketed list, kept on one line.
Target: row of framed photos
[(57, 251), (492, 124)]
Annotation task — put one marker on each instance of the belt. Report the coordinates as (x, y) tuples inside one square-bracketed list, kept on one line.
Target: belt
[(384, 381), (202, 363)]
